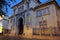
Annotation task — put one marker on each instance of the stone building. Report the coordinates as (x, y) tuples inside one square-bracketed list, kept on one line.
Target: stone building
[(31, 17)]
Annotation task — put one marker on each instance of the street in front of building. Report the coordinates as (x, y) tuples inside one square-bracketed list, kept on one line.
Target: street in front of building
[(6, 37), (16, 38)]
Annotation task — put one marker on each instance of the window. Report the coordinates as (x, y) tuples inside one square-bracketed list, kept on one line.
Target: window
[(45, 11), (20, 9), (42, 12), (39, 13), (43, 24), (40, 23), (54, 30), (27, 4)]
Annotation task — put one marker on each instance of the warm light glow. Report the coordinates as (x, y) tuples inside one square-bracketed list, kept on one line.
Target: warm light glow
[(2, 15), (28, 18), (0, 29)]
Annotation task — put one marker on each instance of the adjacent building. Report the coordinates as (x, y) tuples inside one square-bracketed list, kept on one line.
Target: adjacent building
[(4, 23)]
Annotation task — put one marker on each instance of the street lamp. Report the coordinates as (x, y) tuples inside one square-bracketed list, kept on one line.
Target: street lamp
[(1, 17)]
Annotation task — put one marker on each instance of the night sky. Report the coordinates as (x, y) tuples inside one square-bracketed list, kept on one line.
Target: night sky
[(17, 1)]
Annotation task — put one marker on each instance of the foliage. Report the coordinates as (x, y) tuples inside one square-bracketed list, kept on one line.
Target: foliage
[(5, 3)]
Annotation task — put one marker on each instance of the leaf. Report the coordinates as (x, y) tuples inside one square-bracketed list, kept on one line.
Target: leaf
[(5, 3)]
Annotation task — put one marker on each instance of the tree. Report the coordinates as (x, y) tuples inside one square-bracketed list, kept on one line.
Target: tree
[(5, 3)]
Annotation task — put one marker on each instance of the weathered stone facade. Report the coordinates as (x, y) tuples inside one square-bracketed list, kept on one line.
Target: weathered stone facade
[(38, 18)]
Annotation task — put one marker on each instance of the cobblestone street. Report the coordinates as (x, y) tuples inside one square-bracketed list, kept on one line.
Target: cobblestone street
[(15, 38), (22, 38)]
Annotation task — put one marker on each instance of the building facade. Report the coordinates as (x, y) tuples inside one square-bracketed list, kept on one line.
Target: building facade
[(31, 17), (4, 23)]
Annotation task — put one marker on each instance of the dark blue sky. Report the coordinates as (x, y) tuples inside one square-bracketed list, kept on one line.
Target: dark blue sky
[(17, 1)]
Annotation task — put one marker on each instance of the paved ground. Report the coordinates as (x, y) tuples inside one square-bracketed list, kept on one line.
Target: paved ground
[(21, 38), (16, 38)]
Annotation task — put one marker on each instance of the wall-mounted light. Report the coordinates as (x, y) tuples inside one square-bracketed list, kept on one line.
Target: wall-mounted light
[(0, 29), (1, 17)]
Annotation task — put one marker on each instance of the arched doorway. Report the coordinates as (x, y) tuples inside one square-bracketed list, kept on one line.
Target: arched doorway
[(20, 26)]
